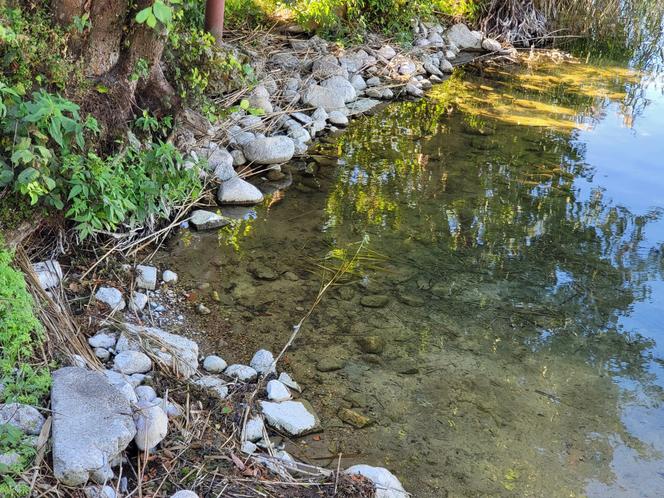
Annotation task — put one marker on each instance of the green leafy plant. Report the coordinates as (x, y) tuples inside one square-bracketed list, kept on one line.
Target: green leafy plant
[(159, 11), (82, 23)]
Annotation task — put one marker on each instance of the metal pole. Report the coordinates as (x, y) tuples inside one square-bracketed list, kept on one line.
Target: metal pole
[(214, 18)]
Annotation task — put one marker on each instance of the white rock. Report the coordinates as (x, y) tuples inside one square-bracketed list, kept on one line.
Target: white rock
[(99, 492), (169, 277), (214, 364), (151, 425), (260, 98), (327, 98), (239, 192), (185, 493), (358, 83), (290, 416), (465, 39), (342, 86), (338, 118), (138, 301), (254, 429), (214, 384), (131, 362), (242, 373), (276, 391), (449, 54), (436, 40), (286, 380), (373, 81), (407, 68), (269, 150), (102, 354), (145, 393), (326, 67), (207, 220), (122, 384), (262, 362), (24, 417), (387, 485), (49, 273), (136, 379), (146, 277), (386, 52), (102, 339), (238, 158), (248, 447), (111, 297), (491, 45)]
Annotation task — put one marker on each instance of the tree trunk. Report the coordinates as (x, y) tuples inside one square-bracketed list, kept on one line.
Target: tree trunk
[(214, 18)]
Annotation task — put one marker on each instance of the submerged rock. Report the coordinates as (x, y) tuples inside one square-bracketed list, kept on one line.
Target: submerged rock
[(387, 485), (92, 425), (375, 301), (353, 418), (371, 344), (290, 416), (330, 364)]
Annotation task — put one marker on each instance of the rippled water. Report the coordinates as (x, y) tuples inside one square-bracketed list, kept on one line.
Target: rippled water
[(511, 226)]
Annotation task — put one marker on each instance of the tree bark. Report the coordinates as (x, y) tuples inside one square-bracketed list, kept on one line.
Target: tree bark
[(214, 18)]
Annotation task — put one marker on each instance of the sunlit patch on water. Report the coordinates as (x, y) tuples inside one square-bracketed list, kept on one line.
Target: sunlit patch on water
[(511, 342)]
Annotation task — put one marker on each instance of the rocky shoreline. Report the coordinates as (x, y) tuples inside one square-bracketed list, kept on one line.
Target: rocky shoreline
[(104, 411)]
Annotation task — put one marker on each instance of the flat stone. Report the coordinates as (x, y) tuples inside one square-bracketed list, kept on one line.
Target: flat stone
[(49, 273), (262, 362), (362, 106), (329, 364), (92, 426), (151, 425), (375, 301), (185, 493), (146, 277), (292, 417), (102, 339), (238, 192), (131, 362), (327, 98), (214, 384), (276, 391), (24, 417), (242, 373), (214, 364), (207, 220), (387, 485), (111, 297), (269, 150)]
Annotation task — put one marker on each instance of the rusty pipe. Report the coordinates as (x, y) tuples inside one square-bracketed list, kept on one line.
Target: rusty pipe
[(214, 18)]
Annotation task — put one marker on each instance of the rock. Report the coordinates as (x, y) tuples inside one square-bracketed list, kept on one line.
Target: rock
[(286, 60), (121, 383), (362, 106), (151, 425), (422, 42), (185, 493), (446, 66), (207, 220), (262, 362), (358, 82), (491, 45), (248, 448), (375, 301), (276, 391), (290, 416), (326, 67), (214, 364), (262, 272), (145, 393), (138, 301), (92, 426), (260, 98), (49, 273), (102, 354), (338, 118), (111, 297), (131, 362), (102, 339), (432, 69), (24, 417), (407, 68), (371, 344), (169, 277), (436, 40), (450, 54), (462, 37), (411, 89), (342, 86), (254, 429), (373, 81), (269, 150), (242, 373), (286, 380), (238, 158), (386, 52), (353, 418), (146, 277), (411, 300), (9, 459), (99, 492), (201, 309), (214, 384), (387, 485), (328, 98), (136, 379), (330, 364), (174, 351), (238, 192)]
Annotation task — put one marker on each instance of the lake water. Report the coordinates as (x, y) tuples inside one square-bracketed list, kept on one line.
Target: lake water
[(501, 319)]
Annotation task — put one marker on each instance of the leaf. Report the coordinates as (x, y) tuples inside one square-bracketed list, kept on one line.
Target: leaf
[(101, 88), (27, 175), (55, 132), (6, 177), (162, 12), (143, 15), (244, 104), (152, 20)]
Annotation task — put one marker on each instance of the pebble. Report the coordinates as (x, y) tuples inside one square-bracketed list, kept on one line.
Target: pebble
[(169, 277), (146, 277), (375, 301), (262, 362), (145, 393), (102, 340), (353, 418), (248, 448), (111, 297), (138, 301), (254, 429), (102, 354), (131, 362), (371, 344), (330, 364), (276, 391), (214, 364), (201, 309), (242, 373)]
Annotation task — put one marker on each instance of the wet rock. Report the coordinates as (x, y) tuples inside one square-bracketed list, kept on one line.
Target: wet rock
[(92, 425), (292, 417), (138, 301), (276, 391), (242, 373), (185, 493), (342, 86), (213, 384), (102, 339), (131, 362), (372, 359), (269, 150), (386, 52), (214, 364), (145, 393), (286, 380), (262, 272), (238, 192), (23, 417), (146, 277), (330, 364), (353, 418), (327, 98), (375, 301), (411, 299), (169, 277), (207, 220), (462, 37), (387, 485), (260, 98), (254, 429), (111, 297), (491, 45), (49, 273), (371, 344), (151, 425), (262, 362)]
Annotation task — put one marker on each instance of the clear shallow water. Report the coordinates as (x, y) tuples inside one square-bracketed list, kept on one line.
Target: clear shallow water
[(512, 222)]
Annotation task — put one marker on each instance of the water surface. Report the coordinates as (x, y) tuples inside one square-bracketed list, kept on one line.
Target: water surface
[(511, 226)]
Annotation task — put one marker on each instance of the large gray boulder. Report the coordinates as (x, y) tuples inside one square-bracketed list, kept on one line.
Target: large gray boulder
[(459, 35), (92, 426), (387, 485), (342, 86), (24, 417), (238, 192), (269, 150), (328, 98), (292, 417)]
